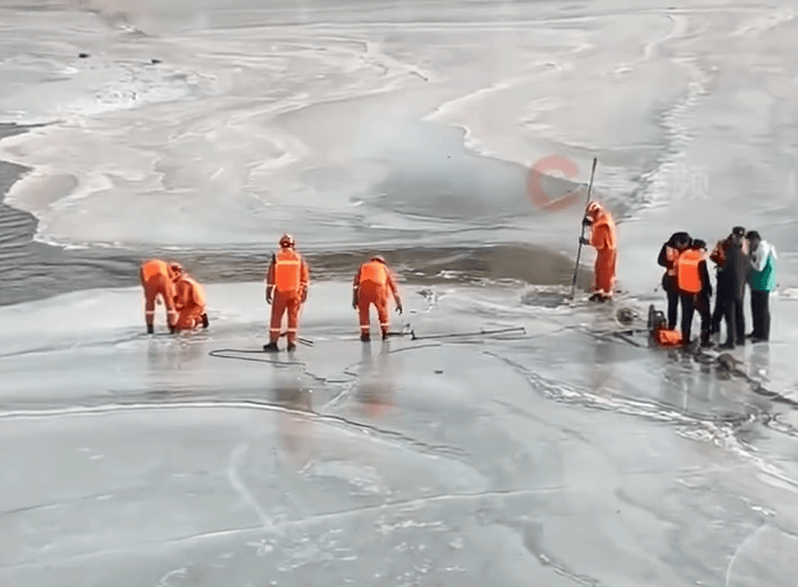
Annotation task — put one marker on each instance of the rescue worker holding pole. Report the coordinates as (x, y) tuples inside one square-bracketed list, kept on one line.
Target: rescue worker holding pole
[(603, 237), (157, 280), (692, 279), (286, 290), (189, 300), (373, 284)]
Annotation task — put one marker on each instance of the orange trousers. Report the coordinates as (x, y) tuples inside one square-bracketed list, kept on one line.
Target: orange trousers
[(159, 285), (369, 293), (604, 272), (190, 317), (285, 301)]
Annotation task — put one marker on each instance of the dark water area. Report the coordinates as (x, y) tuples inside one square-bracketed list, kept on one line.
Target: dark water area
[(31, 270)]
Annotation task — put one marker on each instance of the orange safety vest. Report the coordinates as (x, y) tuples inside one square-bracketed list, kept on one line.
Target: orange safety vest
[(373, 271), (152, 268), (287, 270), (688, 278)]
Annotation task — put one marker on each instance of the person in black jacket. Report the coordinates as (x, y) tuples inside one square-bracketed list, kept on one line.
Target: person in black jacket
[(701, 300), (668, 256), (731, 289)]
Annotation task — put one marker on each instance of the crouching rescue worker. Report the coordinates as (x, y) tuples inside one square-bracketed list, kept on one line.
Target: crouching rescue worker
[(189, 301), (157, 280), (604, 239), (695, 289), (286, 290), (373, 284)]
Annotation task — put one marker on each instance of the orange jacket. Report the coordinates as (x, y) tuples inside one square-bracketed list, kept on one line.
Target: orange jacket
[(603, 234), (288, 271), (153, 267), (189, 293), (377, 272)]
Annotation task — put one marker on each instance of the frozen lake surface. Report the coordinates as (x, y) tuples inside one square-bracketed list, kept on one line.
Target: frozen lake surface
[(558, 455)]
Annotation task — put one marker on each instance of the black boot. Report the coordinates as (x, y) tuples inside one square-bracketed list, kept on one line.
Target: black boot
[(291, 347), (150, 329), (385, 335), (205, 321), (270, 348), (365, 337)]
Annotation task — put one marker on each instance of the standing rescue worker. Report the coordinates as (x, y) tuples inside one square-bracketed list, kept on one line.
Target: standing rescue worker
[(189, 301), (692, 280), (286, 289), (373, 284), (731, 287), (718, 257), (702, 301), (762, 280), (604, 239), (668, 256), (157, 280)]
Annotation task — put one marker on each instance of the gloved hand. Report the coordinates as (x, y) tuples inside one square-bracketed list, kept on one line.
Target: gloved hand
[(399, 307), (268, 295), (586, 221), (304, 295), (158, 301), (354, 301), (205, 321), (583, 240)]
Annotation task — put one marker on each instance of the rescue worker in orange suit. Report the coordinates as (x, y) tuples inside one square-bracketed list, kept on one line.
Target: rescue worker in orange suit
[(603, 237), (157, 280), (668, 255), (286, 290), (189, 301), (373, 284), (692, 283)]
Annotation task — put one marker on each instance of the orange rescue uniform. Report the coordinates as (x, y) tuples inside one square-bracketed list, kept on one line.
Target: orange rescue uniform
[(156, 279), (604, 239), (287, 280), (190, 303), (373, 284)]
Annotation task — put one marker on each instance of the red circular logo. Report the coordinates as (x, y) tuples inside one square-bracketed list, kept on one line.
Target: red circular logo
[(535, 190)]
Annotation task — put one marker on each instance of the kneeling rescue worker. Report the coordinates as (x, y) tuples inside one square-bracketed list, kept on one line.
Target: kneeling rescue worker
[(603, 238), (286, 289), (189, 301), (373, 284), (157, 280)]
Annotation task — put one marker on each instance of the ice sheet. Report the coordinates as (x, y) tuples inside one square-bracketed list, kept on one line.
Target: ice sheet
[(557, 456)]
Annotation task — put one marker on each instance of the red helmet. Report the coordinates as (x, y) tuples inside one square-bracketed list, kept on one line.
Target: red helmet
[(286, 241)]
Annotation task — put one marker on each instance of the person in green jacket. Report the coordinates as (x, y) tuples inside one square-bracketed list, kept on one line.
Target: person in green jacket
[(762, 280)]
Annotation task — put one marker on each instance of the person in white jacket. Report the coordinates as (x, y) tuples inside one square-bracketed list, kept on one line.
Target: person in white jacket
[(762, 279)]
